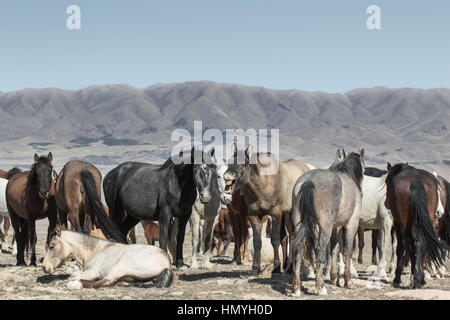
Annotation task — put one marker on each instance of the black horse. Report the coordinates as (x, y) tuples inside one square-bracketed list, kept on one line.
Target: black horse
[(139, 191)]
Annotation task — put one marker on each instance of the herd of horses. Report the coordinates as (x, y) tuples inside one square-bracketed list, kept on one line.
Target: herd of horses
[(314, 214)]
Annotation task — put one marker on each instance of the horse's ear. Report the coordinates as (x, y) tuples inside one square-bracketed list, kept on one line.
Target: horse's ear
[(338, 154), (249, 151), (361, 153), (212, 152), (36, 157), (55, 175), (344, 154), (389, 167), (234, 149), (50, 157)]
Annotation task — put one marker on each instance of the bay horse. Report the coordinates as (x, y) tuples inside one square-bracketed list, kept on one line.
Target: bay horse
[(28, 199), (223, 233), (78, 195), (267, 184), (151, 231), (104, 263), (159, 192), (326, 207), (412, 197)]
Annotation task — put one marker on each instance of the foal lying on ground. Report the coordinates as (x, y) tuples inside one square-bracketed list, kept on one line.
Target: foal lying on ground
[(104, 263)]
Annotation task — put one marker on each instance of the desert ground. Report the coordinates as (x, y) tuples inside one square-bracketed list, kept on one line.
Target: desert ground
[(223, 281)]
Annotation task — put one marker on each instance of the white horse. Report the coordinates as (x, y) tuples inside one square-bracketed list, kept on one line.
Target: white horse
[(375, 215), (3, 212), (202, 233), (104, 263)]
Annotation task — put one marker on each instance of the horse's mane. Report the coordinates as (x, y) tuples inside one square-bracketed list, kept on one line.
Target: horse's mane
[(13, 172), (374, 172), (351, 165), (396, 169), (86, 239)]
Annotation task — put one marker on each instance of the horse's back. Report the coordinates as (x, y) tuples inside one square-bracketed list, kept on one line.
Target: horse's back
[(15, 190)]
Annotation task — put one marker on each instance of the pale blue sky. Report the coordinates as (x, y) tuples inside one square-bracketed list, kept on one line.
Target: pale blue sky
[(307, 45)]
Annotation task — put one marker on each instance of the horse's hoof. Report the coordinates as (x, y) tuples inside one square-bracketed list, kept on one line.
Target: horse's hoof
[(74, 285), (382, 274), (277, 269), (194, 265), (256, 271), (296, 293), (427, 275), (319, 292), (182, 267), (396, 284)]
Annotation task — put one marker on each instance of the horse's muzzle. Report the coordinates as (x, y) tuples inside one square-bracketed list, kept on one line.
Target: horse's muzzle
[(205, 198)]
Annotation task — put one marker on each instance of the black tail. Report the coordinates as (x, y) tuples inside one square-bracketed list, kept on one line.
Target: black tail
[(110, 230), (165, 279), (422, 226), (307, 217), (444, 231)]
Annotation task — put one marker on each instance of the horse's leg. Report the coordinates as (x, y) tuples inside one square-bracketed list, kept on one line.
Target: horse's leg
[(321, 257), (383, 235), (256, 226), (375, 240), (284, 240), (400, 254), (182, 221), (297, 262), (127, 224), (275, 239), (360, 244), (164, 226), (33, 239), (74, 218), (208, 230), (394, 247), (194, 222), (245, 237), (62, 218), (350, 231), (334, 251)]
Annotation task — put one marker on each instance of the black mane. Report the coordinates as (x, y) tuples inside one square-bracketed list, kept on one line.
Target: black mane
[(374, 172), (351, 165)]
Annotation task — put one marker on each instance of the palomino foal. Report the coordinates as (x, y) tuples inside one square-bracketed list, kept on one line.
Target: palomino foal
[(104, 263)]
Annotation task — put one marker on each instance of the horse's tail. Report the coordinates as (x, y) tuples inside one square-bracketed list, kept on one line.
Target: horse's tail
[(165, 279), (110, 230), (422, 227), (111, 194), (307, 217), (444, 231)]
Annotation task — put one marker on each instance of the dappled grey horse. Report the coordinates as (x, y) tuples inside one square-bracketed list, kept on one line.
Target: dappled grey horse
[(325, 207)]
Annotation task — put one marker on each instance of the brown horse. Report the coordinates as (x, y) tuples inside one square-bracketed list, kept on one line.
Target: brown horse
[(78, 194), (412, 197), (28, 199), (222, 233), (151, 231), (237, 212), (267, 183)]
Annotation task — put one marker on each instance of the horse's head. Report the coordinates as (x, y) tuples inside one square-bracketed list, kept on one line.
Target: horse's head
[(57, 253), (41, 174), (204, 174), (238, 171), (221, 168)]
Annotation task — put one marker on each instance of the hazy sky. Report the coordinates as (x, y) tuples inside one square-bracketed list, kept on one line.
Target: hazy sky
[(307, 45)]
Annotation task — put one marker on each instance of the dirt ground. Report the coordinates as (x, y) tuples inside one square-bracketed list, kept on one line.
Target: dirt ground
[(223, 281)]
